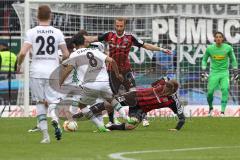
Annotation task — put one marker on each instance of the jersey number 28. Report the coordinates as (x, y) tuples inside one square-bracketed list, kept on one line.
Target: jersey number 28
[(50, 49)]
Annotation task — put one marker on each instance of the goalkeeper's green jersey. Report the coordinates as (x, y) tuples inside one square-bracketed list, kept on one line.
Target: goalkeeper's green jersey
[(219, 58)]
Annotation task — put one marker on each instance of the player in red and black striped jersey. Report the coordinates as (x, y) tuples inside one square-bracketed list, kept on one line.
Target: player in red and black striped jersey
[(120, 44), (162, 94)]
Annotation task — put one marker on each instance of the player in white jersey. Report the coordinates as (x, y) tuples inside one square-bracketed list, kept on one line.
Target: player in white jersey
[(92, 76), (44, 40)]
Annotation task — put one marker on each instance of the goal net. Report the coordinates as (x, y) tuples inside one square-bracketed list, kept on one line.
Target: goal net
[(186, 29)]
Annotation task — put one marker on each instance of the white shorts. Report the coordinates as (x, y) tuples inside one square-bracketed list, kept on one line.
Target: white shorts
[(94, 91), (41, 90)]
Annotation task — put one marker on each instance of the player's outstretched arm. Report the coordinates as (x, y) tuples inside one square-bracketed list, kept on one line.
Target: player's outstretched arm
[(180, 123), (156, 48)]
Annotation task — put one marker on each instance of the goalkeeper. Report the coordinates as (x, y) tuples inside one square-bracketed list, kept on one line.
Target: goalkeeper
[(219, 54)]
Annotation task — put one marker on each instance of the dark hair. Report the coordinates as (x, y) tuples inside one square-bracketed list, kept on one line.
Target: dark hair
[(69, 44), (218, 33), (83, 32), (44, 13), (78, 39), (5, 45)]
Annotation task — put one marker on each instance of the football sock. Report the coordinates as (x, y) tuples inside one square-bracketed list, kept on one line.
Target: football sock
[(45, 133), (41, 116), (52, 112), (97, 122), (110, 116), (88, 113), (100, 118), (42, 121)]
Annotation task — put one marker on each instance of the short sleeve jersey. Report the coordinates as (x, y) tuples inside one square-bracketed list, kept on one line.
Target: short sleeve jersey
[(89, 66), (119, 48), (45, 41)]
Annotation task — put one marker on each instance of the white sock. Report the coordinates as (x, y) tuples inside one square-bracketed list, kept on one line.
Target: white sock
[(97, 122), (100, 118), (41, 116), (45, 134), (52, 112), (43, 125)]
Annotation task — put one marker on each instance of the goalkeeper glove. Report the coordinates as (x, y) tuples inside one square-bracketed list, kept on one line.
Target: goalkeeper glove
[(204, 76), (234, 75)]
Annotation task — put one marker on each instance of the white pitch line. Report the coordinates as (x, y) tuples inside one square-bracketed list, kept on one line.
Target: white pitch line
[(120, 155)]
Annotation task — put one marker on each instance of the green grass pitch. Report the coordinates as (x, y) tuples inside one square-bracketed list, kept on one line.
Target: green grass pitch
[(200, 139)]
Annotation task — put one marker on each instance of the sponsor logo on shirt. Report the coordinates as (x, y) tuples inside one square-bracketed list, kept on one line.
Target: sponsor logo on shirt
[(219, 57)]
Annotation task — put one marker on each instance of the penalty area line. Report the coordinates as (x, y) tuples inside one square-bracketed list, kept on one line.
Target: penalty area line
[(120, 155)]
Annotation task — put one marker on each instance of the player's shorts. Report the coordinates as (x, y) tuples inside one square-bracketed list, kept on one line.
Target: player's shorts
[(95, 90), (41, 90)]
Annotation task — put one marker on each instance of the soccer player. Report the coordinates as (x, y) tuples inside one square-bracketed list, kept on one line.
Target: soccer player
[(219, 53), (120, 43), (92, 77), (70, 48), (44, 40), (162, 94)]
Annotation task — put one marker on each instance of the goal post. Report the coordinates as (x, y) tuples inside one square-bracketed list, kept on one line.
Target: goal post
[(186, 27)]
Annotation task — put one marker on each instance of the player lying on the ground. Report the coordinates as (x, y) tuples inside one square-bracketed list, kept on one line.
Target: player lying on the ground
[(162, 94)]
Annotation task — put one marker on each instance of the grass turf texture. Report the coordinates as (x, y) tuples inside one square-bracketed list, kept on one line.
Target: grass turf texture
[(17, 144)]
